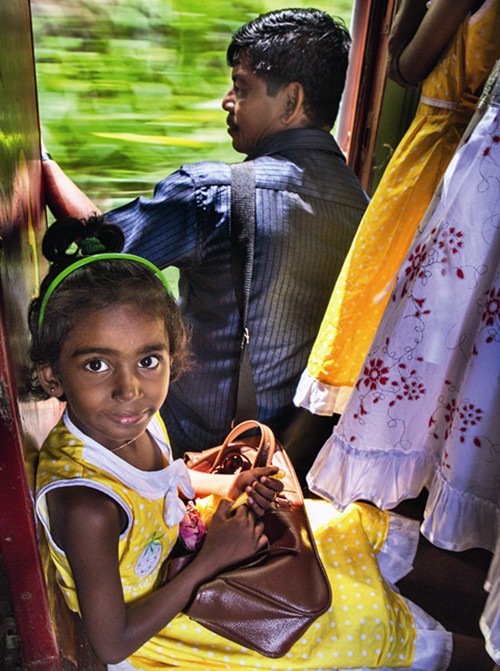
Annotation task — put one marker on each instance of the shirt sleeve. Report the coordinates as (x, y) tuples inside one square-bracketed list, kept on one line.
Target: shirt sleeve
[(163, 229)]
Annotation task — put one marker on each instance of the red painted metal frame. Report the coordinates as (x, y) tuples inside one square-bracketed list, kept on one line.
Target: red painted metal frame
[(18, 539), (359, 116), (22, 223)]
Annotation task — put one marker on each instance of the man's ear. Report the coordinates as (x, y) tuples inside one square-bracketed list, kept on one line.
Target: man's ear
[(50, 381), (294, 112)]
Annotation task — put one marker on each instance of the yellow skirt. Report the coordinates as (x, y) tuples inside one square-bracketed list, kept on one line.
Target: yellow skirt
[(368, 624), (377, 252)]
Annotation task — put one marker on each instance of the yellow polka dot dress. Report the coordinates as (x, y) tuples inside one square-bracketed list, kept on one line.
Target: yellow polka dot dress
[(448, 99), (368, 624)]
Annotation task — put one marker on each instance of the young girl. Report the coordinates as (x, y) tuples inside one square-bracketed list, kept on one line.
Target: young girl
[(107, 336)]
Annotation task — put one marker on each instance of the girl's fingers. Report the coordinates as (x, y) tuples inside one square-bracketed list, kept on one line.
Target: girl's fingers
[(264, 492), (260, 494), (263, 542)]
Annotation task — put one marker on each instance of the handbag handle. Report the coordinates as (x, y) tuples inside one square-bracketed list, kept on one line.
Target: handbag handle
[(265, 448)]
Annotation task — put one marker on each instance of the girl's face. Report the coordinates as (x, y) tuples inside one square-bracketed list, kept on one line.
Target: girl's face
[(114, 371)]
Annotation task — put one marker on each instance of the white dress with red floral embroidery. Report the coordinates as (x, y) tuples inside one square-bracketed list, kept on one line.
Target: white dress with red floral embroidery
[(425, 410)]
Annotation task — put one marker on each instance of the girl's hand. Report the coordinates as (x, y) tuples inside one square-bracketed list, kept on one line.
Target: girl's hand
[(230, 540), (260, 484)]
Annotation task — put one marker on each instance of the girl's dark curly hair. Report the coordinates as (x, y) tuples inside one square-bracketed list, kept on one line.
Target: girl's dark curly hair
[(95, 286)]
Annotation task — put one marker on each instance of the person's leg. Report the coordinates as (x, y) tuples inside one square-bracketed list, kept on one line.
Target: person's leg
[(303, 434), (469, 653)]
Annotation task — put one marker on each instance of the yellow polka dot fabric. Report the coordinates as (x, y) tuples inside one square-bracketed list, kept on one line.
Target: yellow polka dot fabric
[(147, 540), (449, 96), (367, 624)]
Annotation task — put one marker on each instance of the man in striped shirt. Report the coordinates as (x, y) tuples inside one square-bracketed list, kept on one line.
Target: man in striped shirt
[(288, 72)]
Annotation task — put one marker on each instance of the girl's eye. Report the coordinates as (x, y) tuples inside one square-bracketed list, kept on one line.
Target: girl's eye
[(149, 362), (96, 366)]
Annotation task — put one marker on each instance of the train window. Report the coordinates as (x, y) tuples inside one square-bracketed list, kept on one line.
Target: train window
[(375, 111), (129, 91), (127, 95)]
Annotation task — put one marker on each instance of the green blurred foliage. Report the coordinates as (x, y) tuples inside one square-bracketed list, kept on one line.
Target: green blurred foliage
[(131, 89)]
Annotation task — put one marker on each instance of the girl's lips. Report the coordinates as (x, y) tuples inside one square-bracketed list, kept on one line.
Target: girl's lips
[(126, 420)]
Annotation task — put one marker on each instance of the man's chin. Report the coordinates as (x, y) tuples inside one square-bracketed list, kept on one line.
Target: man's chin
[(237, 146), (233, 132)]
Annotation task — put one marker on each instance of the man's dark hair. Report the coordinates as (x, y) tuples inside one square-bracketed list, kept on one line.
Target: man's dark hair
[(297, 45)]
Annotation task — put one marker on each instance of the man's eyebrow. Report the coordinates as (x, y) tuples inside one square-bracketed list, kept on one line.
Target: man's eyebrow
[(147, 349)]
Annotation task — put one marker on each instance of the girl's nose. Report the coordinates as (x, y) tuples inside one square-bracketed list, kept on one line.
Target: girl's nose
[(126, 386)]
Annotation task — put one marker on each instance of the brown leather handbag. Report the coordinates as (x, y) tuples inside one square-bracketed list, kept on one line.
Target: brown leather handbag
[(268, 602)]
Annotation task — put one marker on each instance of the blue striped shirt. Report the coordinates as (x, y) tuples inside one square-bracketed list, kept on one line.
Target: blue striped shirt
[(308, 206)]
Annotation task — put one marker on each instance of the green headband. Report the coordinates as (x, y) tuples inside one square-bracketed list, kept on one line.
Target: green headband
[(89, 259)]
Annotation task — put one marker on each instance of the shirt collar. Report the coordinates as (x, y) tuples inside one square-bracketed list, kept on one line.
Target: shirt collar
[(153, 485), (296, 138)]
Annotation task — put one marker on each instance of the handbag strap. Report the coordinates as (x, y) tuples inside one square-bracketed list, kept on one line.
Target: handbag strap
[(265, 448), (242, 233)]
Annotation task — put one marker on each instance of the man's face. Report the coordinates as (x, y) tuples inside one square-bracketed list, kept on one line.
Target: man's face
[(252, 114)]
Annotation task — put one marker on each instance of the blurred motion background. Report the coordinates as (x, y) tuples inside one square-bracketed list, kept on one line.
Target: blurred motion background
[(129, 90)]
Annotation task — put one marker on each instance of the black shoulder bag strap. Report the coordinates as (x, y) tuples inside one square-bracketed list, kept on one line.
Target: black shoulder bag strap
[(242, 232)]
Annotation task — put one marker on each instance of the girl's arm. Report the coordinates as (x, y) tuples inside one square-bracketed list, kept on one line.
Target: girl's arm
[(87, 524), (420, 35), (255, 482)]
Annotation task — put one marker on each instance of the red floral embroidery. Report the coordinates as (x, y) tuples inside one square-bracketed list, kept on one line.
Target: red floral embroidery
[(415, 262), (444, 463), (450, 411), (492, 308), (461, 417), (412, 389), (361, 412), (420, 302), (374, 374), (469, 416), (409, 386), (451, 240)]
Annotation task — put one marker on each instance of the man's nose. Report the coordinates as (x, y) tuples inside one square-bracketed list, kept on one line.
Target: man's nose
[(228, 101)]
